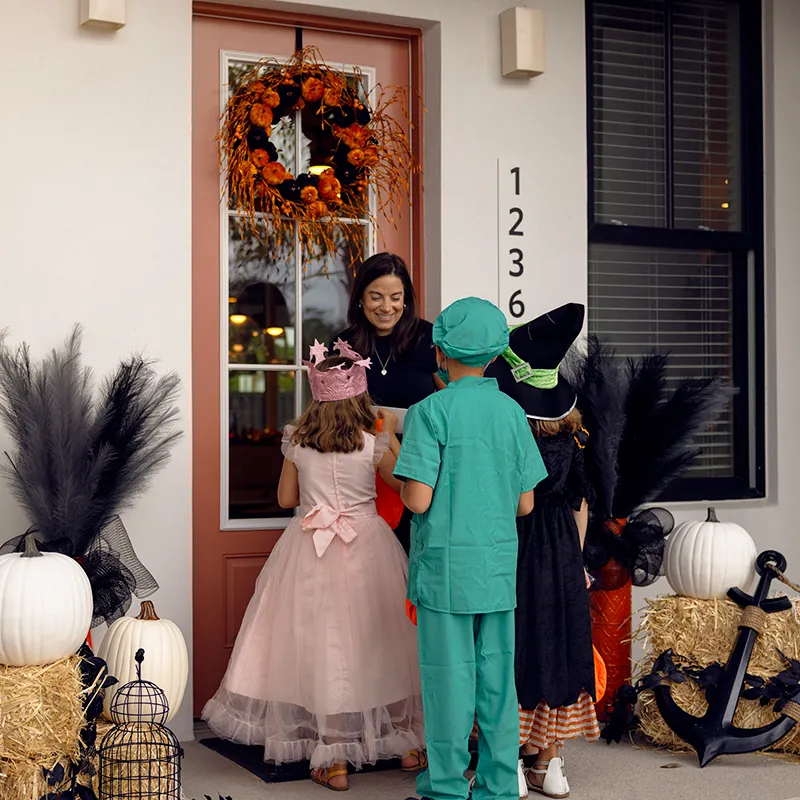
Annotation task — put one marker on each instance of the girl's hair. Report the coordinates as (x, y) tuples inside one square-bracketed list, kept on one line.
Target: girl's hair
[(360, 333), (547, 427), (337, 426)]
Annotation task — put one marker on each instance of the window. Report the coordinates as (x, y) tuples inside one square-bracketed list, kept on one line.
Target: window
[(676, 207), (275, 303)]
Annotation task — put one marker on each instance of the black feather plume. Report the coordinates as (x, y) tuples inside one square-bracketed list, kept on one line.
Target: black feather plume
[(79, 460), (600, 383), (661, 425)]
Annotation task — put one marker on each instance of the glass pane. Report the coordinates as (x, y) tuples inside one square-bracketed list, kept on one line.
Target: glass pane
[(261, 403), (326, 288), (261, 301), (706, 112), (678, 302), (629, 118)]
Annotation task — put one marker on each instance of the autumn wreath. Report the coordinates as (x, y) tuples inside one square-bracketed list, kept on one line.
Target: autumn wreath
[(362, 146)]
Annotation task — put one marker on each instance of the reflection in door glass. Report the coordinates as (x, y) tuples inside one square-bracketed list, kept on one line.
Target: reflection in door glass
[(260, 404), (326, 291), (261, 302)]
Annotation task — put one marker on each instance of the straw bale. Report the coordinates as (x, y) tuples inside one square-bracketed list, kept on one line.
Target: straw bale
[(702, 632), (41, 716)]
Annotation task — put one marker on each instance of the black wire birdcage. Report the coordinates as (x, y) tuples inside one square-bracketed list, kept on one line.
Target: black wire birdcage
[(140, 758), (140, 701)]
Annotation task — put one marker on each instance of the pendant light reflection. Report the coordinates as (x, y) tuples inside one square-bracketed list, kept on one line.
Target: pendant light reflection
[(274, 331), (238, 319), (318, 169)]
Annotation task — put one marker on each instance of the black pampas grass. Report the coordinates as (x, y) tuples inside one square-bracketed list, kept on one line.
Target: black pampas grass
[(78, 459), (642, 432), (642, 436), (601, 384), (661, 426)]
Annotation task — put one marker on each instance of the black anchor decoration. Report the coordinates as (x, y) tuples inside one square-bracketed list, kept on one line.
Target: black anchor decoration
[(714, 733)]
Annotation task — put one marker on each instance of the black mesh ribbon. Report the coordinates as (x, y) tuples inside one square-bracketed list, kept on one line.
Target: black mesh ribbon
[(637, 546), (115, 573)]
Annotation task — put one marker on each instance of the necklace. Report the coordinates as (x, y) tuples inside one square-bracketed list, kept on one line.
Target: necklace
[(384, 364)]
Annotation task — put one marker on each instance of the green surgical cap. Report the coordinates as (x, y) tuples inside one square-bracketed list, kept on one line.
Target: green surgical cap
[(472, 331)]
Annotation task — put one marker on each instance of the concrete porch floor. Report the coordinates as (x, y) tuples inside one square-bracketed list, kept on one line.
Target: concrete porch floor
[(595, 771)]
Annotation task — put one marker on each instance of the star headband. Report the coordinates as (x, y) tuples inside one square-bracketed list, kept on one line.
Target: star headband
[(336, 383)]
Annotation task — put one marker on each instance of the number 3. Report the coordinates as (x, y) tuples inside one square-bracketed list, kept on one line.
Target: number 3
[(517, 262)]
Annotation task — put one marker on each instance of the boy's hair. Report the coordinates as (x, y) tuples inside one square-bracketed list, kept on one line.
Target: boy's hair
[(551, 427), (337, 426)]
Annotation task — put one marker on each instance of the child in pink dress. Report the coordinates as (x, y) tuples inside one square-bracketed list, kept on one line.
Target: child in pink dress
[(325, 665)]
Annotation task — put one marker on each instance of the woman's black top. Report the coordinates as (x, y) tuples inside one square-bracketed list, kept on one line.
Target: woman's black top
[(408, 378)]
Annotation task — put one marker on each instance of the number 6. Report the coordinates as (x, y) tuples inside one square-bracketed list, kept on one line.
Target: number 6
[(515, 306)]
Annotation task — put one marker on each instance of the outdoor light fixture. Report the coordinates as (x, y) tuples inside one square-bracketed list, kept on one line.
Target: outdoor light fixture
[(522, 46), (103, 15)]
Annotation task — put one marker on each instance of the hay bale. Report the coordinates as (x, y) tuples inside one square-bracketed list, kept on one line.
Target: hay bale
[(41, 717), (702, 632)]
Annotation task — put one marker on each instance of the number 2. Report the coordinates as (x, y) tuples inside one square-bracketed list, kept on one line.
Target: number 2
[(513, 231)]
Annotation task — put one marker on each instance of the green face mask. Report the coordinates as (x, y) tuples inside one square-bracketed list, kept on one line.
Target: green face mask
[(443, 376)]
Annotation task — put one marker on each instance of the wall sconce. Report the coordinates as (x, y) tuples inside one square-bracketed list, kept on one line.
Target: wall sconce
[(103, 15), (522, 46)]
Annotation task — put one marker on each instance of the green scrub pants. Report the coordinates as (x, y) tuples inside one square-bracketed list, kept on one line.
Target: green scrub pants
[(467, 667)]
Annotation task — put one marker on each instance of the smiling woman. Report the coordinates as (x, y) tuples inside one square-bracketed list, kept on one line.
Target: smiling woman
[(383, 325)]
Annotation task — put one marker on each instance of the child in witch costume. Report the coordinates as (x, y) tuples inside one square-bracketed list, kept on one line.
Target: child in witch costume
[(325, 665), (555, 668), (470, 466)]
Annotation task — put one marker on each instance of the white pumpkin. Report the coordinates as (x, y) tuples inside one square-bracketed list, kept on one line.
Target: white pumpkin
[(705, 559), (46, 607), (167, 663)]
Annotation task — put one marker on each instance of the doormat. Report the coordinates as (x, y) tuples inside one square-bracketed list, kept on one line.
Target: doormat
[(251, 758)]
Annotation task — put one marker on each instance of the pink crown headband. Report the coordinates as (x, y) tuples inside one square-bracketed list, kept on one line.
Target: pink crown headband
[(336, 383)]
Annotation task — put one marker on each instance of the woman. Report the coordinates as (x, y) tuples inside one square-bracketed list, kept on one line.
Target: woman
[(383, 324)]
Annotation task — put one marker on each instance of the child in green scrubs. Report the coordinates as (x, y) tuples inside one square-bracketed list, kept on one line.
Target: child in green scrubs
[(470, 466)]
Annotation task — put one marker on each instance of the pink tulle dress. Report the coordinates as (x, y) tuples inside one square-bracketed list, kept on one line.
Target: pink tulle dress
[(325, 664)]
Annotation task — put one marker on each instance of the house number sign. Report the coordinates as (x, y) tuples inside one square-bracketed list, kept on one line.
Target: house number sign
[(514, 237)]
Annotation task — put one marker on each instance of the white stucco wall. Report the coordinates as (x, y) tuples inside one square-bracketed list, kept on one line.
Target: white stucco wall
[(95, 215), (95, 224)]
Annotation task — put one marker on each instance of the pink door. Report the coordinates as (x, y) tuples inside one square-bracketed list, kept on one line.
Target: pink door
[(253, 318)]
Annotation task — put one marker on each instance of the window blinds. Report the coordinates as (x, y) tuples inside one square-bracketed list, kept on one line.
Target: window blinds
[(665, 121)]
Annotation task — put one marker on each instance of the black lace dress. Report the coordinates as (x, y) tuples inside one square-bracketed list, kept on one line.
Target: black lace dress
[(554, 659)]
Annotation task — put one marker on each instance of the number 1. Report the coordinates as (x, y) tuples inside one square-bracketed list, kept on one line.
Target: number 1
[(515, 173)]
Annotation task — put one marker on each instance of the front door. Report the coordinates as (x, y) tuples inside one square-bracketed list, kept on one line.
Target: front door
[(254, 319)]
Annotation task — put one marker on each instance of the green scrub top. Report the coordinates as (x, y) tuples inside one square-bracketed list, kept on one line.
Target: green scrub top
[(473, 446)]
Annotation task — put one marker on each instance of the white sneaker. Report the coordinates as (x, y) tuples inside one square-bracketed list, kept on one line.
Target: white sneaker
[(523, 784), (555, 780)]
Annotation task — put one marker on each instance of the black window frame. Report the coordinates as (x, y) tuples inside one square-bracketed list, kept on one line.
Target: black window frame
[(749, 478)]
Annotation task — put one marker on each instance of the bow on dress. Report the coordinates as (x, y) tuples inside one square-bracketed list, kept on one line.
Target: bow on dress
[(327, 523)]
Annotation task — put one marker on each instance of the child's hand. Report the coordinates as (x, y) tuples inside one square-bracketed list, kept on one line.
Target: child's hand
[(389, 419)]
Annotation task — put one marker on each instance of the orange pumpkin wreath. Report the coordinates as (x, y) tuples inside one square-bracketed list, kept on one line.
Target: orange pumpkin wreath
[(370, 151)]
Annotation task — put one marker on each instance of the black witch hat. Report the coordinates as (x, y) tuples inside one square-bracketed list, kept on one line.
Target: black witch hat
[(528, 371)]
